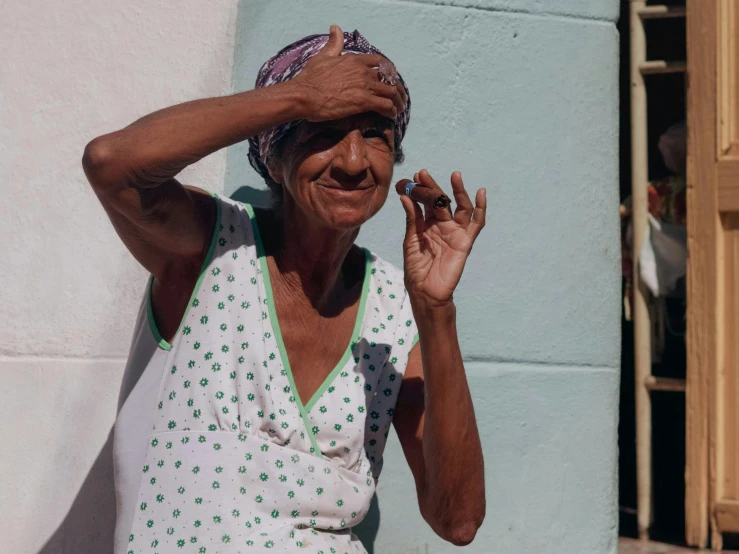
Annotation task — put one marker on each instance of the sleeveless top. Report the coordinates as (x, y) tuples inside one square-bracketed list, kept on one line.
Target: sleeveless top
[(235, 460)]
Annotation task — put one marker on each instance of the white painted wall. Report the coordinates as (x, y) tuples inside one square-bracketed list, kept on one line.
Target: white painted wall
[(70, 71)]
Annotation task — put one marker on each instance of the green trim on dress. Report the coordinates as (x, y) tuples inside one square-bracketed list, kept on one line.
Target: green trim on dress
[(163, 344), (304, 409)]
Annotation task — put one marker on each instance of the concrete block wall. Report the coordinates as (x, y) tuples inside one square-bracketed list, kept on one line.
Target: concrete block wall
[(72, 71), (521, 96)]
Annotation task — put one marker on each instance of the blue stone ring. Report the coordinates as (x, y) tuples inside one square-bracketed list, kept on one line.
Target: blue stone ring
[(409, 188)]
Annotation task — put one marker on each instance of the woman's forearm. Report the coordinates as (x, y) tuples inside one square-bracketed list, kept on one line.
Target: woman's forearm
[(454, 484), (156, 147)]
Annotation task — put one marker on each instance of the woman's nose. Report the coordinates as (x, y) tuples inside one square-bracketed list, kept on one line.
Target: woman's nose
[(353, 157)]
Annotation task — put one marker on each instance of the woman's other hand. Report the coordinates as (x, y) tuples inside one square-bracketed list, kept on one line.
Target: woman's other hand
[(437, 245), (335, 86)]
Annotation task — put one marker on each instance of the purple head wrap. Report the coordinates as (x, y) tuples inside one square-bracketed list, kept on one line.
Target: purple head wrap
[(287, 64)]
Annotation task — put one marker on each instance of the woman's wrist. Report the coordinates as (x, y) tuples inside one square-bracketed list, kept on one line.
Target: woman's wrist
[(432, 313), (295, 99)]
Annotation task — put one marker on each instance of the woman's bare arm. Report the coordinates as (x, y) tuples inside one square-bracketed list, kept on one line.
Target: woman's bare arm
[(167, 226)]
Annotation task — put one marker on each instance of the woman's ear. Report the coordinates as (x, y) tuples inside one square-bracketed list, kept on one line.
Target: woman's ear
[(275, 170)]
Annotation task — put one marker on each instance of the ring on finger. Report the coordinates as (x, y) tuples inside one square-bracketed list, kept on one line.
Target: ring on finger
[(442, 202)]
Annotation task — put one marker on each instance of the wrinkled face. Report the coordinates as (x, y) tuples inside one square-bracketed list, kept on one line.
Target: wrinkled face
[(338, 172)]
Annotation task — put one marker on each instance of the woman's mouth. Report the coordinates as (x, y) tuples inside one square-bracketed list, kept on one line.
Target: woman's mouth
[(339, 189)]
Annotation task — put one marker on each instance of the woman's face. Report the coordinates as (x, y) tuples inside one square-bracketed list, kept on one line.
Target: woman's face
[(338, 172)]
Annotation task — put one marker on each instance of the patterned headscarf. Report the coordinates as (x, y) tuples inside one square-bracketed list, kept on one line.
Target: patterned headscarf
[(287, 64)]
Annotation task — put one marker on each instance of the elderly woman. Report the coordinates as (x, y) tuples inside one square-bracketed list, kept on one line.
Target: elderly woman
[(272, 354)]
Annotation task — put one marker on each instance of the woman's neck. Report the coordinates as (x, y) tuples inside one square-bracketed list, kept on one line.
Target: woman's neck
[(310, 258)]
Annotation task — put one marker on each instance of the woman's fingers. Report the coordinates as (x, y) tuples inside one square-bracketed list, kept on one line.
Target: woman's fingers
[(335, 44), (463, 213), (370, 60), (403, 93), (383, 106), (389, 91), (478, 217), (435, 202), (413, 217), (440, 205)]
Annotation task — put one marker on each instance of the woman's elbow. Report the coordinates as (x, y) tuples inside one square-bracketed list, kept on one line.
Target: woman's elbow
[(459, 529), (99, 162), (463, 533)]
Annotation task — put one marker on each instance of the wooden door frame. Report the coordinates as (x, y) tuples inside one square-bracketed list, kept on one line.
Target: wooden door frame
[(712, 336), (702, 271)]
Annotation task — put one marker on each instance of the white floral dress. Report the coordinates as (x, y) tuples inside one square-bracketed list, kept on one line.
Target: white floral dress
[(236, 462)]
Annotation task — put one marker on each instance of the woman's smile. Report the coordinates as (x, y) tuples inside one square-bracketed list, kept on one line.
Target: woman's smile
[(334, 187)]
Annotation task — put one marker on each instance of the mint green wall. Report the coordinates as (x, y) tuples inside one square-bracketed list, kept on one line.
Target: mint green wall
[(521, 96)]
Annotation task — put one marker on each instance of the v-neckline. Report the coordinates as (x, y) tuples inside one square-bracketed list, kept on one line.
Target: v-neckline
[(355, 336)]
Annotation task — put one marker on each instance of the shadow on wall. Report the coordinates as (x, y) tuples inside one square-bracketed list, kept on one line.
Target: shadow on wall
[(259, 198), (89, 525)]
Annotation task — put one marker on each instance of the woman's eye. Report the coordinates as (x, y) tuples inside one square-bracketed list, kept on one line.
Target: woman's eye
[(330, 134), (375, 133), (325, 138)]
